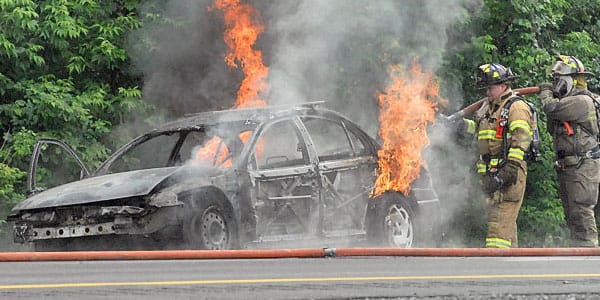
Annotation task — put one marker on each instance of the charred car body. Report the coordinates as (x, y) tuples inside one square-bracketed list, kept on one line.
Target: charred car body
[(229, 179)]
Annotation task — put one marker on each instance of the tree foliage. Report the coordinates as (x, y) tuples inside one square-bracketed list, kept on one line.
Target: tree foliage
[(63, 73)]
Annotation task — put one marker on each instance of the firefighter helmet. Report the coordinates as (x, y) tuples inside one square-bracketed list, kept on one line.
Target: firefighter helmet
[(568, 73), (566, 65), (494, 74)]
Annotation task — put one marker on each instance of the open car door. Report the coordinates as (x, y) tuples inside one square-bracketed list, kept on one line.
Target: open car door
[(59, 165)]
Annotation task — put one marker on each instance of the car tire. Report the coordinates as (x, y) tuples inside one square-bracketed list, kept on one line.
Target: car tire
[(209, 228), (392, 223)]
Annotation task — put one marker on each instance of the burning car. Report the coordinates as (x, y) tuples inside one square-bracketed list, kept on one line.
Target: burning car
[(247, 178)]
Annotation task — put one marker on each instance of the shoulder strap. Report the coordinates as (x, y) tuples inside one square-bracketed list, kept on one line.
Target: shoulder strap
[(504, 123), (506, 108), (513, 100), (596, 108)]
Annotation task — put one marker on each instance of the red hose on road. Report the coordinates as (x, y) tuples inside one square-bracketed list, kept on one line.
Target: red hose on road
[(158, 255), (466, 252), (290, 253)]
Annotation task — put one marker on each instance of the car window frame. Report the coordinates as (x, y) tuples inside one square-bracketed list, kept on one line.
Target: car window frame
[(307, 154), (369, 148), (105, 166), (33, 164)]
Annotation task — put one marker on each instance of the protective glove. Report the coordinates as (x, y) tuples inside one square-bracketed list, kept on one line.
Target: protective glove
[(457, 124), (492, 183), (508, 173), (546, 86), (546, 93)]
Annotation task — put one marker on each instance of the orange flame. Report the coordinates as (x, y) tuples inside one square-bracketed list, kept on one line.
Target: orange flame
[(216, 153), (242, 31), (407, 106), (206, 154)]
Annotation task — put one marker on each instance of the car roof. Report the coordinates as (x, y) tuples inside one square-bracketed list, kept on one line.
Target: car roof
[(256, 115)]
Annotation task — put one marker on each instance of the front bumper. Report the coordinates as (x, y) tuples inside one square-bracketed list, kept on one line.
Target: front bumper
[(133, 222), (24, 232)]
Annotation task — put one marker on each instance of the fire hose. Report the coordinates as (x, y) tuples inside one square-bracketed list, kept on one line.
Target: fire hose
[(290, 253), (477, 105)]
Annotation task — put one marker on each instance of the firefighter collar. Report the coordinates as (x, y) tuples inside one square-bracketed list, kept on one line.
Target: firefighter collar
[(498, 102)]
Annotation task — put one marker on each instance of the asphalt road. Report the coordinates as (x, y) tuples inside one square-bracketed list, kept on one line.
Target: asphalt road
[(307, 278)]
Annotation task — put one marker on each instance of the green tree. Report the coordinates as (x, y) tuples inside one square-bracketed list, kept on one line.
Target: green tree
[(63, 74)]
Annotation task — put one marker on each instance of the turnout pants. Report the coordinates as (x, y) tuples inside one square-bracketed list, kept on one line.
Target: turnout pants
[(578, 190), (502, 212)]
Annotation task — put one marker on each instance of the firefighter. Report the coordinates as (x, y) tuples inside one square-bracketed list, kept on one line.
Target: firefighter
[(503, 126), (572, 122)]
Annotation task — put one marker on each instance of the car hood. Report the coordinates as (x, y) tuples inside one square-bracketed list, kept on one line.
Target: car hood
[(100, 188)]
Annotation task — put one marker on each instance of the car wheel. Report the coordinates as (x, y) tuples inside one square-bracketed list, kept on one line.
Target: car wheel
[(391, 223), (398, 226), (210, 229)]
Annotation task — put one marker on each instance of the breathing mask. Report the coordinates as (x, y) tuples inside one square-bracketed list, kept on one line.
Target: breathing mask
[(562, 86)]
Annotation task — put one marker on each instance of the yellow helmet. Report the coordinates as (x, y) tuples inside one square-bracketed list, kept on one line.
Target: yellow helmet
[(566, 65)]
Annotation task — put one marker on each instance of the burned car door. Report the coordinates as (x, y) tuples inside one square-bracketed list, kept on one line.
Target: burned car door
[(284, 183), (347, 165), (61, 166)]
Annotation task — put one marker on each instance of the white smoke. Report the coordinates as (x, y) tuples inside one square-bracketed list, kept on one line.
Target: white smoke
[(336, 51)]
